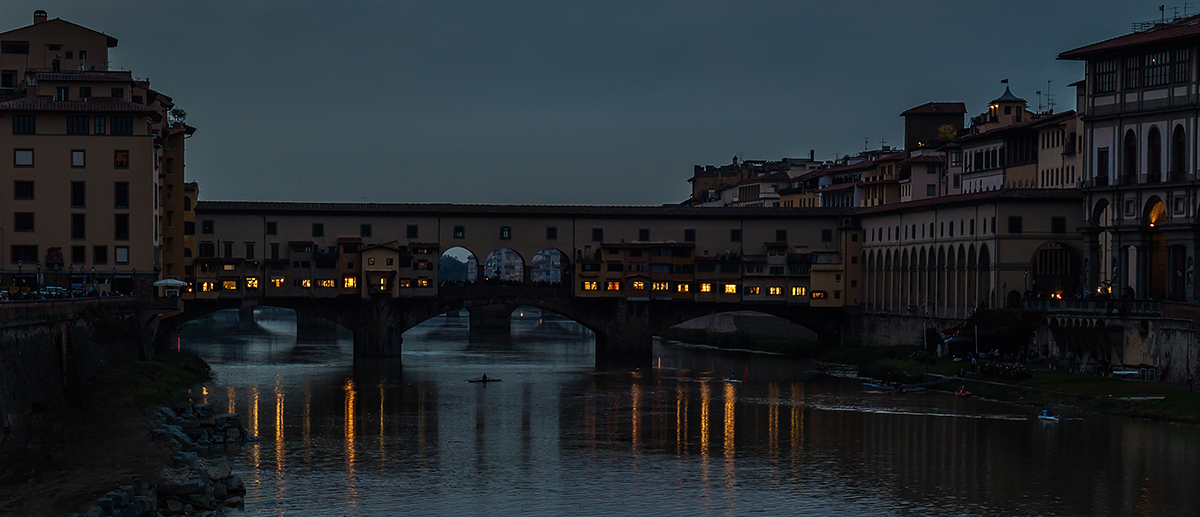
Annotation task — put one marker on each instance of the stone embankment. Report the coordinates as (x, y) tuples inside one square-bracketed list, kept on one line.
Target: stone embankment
[(194, 483)]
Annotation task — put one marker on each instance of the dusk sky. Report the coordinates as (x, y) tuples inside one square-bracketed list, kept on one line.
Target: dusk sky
[(554, 102)]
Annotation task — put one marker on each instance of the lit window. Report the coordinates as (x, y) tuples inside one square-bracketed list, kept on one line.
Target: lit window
[(818, 295), (326, 282), (277, 282), (749, 290), (662, 286), (229, 285), (706, 288), (251, 282), (349, 282), (121, 159), (683, 288), (306, 283), (371, 261), (730, 288), (637, 285), (775, 291), (422, 282), (228, 267), (383, 283), (799, 291), (404, 282), (207, 286), (590, 286), (612, 285)]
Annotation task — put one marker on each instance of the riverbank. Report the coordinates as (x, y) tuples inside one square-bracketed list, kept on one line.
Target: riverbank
[(1021, 385), (77, 451)]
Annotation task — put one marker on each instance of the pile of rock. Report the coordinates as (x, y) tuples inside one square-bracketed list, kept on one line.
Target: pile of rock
[(191, 484)]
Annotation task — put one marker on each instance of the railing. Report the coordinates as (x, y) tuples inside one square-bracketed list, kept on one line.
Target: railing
[(1094, 305)]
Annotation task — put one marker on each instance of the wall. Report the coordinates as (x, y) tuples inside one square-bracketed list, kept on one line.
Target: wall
[(49, 350)]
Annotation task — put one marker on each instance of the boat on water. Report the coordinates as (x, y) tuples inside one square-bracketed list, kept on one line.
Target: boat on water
[(896, 387), (962, 392), (484, 379), (1047, 416)]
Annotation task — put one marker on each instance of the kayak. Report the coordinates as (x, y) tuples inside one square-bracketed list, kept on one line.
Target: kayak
[(962, 393), (1047, 416), (484, 380)]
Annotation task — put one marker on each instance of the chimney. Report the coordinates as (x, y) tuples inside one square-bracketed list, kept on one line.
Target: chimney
[(812, 155), (39, 16)]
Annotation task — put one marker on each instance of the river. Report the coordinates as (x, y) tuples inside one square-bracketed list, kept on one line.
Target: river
[(558, 437)]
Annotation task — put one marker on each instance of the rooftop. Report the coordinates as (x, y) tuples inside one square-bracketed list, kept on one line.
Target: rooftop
[(102, 104), (1182, 28), (936, 108)]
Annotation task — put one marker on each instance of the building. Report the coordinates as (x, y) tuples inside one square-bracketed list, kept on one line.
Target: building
[(94, 193), (1138, 101)]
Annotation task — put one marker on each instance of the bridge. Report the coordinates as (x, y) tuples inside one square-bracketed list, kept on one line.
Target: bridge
[(626, 273)]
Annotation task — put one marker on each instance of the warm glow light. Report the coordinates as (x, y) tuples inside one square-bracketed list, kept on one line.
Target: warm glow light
[(706, 288), (661, 286), (683, 288), (228, 267), (251, 282), (637, 285), (306, 283), (590, 286), (749, 290), (422, 282), (349, 282), (612, 285), (207, 286), (326, 282), (229, 285), (775, 291), (277, 282), (730, 288)]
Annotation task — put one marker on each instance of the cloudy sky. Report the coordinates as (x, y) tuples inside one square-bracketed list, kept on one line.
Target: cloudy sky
[(560, 102)]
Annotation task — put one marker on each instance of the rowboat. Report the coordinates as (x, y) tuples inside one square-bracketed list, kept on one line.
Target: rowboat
[(1047, 416), (485, 379), (962, 392)]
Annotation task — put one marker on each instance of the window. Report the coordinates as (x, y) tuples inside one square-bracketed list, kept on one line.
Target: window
[(78, 254), (318, 230), (774, 291), (122, 125), (24, 125), (229, 254), (250, 251), (780, 235), (272, 228), (120, 254), (615, 266), (24, 253), (229, 285), (460, 232), (8, 79), (735, 235), (706, 288), (99, 125), (391, 261), (644, 234), (118, 93), (23, 157), (77, 125), (121, 227), (661, 286), (1014, 224), (683, 287), (597, 234), (689, 235), (78, 194), (251, 282), (411, 231), (637, 285), (99, 255), (612, 285), (23, 221), (371, 261), (306, 283), (121, 159), (931, 190), (730, 288), (77, 158), (14, 47), (505, 232), (78, 226), (121, 194), (206, 226), (752, 290), (349, 282), (85, 92), (551, 233), (62, 94), (274, 250), (22, 189), (826, 235), (590, 286), (1058, 225), (799, 291), (818, 295), (364, 230)]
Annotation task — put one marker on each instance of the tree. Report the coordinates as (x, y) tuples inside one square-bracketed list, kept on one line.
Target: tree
[(946, 134), (177, 115)]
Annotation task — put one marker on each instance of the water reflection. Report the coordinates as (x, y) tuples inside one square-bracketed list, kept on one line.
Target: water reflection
[(556, 437)]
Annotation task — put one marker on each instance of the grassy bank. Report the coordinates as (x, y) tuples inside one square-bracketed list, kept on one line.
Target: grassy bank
[(80, 449), (744, 341)]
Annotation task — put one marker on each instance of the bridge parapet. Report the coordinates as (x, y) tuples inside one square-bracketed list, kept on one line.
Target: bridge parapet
[(1095, 306)]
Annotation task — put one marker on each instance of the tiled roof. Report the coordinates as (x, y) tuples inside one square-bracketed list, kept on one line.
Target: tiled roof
[(961, 199), (103, 104), (925, 158), (936, 107), (83, 76), (112, 42), (1185, 28), (412, 209), (1028, 124), (1008, 97)]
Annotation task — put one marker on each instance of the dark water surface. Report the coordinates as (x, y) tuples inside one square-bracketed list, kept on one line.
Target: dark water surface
[(557, 437)]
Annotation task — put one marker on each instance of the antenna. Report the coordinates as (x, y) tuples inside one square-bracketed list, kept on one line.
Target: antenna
[(1186, 5), (866, 143), (1049, 98), (1039, 94)]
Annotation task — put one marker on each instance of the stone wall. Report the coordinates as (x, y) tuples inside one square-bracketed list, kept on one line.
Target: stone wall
[(890, 329), (50, 349)]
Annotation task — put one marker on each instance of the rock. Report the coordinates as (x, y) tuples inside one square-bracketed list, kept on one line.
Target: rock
[(106, 504), (218, 470), (119, 499), (191, 486), (95, 511), (233, 433), (174, 506), (234, 502), (234, 485)]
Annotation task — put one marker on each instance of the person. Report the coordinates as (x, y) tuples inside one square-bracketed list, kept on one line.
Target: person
[(484, 378)]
